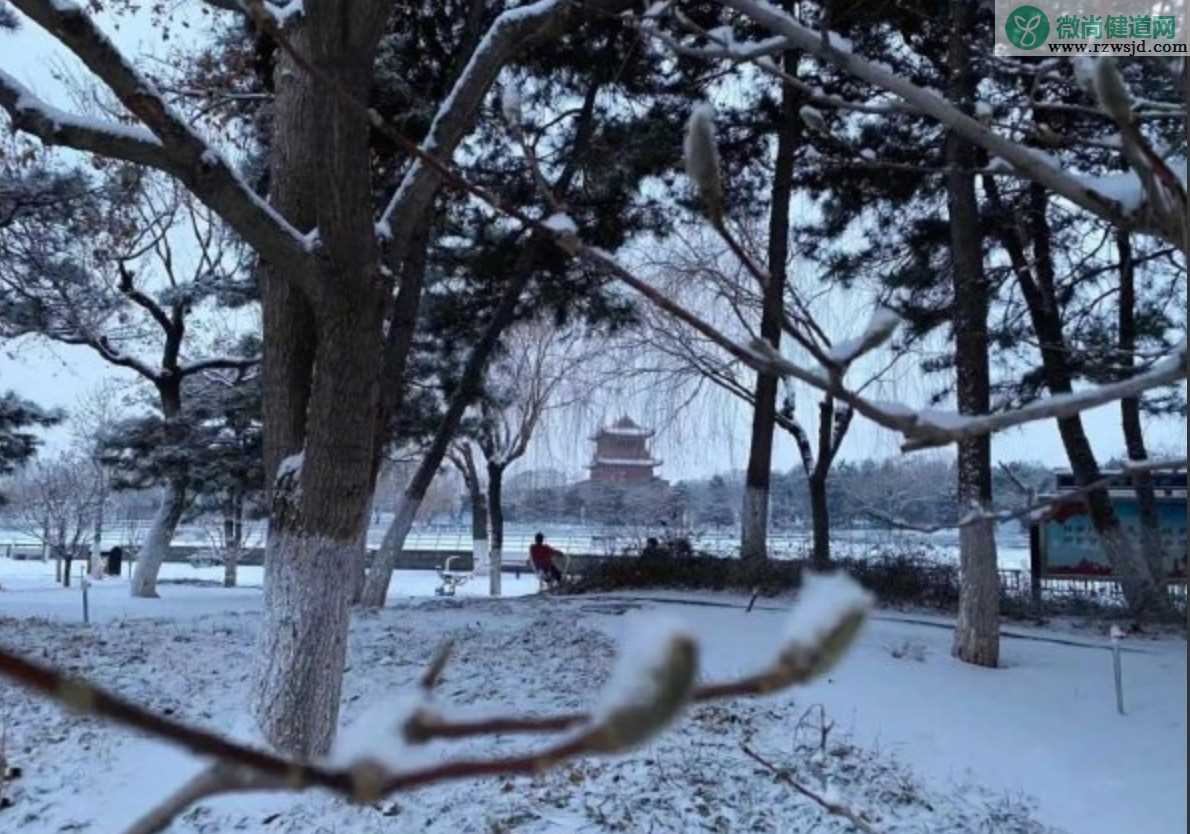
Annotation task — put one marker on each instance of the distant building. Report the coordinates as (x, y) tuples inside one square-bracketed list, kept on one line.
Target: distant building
[(622, 455), (1064, 542)]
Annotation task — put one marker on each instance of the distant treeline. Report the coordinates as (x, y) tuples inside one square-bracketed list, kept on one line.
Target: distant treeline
[(920, 492)]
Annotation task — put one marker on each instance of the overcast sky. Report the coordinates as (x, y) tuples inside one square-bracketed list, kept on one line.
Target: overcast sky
[(711, 436)]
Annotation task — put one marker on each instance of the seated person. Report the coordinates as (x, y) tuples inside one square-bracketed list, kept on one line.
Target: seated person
[(542, 557)]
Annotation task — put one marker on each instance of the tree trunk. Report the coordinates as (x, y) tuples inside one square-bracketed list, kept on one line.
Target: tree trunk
[(820, 522), (45, 544), (67, 559), (322, 364), (96, 562), (1137, 581), (977, 630), (481, 557), (754, 514), (1148, 521), (479, 517), (359, 562), (376, 584), (157, 541), (233, 541), (496, 520), (173, 502)]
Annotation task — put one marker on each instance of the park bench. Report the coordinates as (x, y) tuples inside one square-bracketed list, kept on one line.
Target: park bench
[(450, 579)]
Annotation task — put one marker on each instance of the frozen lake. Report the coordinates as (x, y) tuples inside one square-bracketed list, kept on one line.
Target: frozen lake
[(573, 538)]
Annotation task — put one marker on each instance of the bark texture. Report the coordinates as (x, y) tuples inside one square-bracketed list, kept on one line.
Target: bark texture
[(322, 361), (156, 547), (1141, 589), (496, 520), (977, 630), (233, 542), (1149, 523), (754, 515), (173, 498), (464, 460)]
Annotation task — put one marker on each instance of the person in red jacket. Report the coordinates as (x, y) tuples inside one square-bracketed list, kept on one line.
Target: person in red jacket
[(542, 556)]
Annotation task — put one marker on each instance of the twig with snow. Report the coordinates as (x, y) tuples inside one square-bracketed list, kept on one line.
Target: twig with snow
[(1033, 510), (827, 805), (165, 141), (1158, 218)]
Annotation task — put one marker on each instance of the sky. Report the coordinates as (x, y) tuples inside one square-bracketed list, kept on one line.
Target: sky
[(710, 436)]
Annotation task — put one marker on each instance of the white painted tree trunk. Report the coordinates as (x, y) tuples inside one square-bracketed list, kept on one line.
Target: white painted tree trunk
[(303, 641), (161, 533), (480, 558), (95, 566), (754, 522), (496, 559), (376, 584), (977, 629)]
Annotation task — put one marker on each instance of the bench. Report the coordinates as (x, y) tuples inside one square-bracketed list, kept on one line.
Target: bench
[(450, 579)]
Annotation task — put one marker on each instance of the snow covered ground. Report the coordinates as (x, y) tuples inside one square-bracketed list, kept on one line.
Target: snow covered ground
[(30, 591), (919, 741)]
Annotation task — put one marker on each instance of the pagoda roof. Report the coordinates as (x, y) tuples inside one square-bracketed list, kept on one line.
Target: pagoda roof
[(624, 427), (623, 462)]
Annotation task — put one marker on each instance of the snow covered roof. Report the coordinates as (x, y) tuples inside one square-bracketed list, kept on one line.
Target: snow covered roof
[(624, 427), (598, 461)]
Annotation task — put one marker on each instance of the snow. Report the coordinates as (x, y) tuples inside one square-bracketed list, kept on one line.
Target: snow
[(560, 224), (283, 14), (1124, 187), (825, 602), (813, 117), (839, 42), (27, 101), (510, 105), (701, 151), (881, 326), (291, 465), (641, 662), (377, 735), (27, 589), (921, 742)]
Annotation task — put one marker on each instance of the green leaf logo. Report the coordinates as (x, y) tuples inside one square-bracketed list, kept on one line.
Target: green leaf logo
[(1027, 27)]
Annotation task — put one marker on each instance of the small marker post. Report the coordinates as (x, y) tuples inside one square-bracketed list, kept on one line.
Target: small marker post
[(1116, 635), (85, 582)]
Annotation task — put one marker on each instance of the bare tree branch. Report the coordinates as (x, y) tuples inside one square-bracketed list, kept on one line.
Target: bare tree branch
[(179, 152)]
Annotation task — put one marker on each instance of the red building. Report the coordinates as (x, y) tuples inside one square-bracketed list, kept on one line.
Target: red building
[(622, 454)]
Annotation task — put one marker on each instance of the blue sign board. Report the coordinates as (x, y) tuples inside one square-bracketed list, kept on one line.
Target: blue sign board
[(1071, 546)]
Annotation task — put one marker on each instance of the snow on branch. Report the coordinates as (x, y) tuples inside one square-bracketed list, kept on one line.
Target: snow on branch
[(1032, 510), (651, 682), (701, 153), (880, 329), (510, 32), (381, 754), (52, 126), (927, 428), (179, 150), (1155, 220)]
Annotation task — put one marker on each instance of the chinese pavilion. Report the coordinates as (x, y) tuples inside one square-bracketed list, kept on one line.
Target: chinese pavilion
[(622, 454)]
